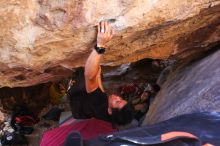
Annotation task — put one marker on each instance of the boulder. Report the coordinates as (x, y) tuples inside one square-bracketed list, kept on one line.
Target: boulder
[(41, 40), (193, 87)]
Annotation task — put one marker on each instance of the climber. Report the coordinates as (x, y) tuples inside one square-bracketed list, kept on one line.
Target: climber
[(94, 101)]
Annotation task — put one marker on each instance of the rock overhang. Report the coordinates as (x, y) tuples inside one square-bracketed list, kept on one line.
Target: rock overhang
[(42, 40)]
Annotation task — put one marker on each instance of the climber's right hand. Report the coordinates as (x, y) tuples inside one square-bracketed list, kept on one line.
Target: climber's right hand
[(104, 33)]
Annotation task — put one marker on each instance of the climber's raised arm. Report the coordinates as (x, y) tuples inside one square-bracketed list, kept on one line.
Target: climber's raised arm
[(92, 66)]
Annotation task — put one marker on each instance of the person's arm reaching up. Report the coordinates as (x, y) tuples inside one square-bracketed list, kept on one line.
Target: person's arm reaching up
[(92, 66)]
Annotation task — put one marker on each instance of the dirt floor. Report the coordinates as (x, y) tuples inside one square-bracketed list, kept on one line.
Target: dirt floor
[(34, 139)]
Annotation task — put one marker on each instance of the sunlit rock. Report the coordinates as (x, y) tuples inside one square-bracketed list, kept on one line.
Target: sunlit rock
[(41, 39)]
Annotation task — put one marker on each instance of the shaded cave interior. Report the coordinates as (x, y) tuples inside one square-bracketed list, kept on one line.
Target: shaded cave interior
[(37, 97)]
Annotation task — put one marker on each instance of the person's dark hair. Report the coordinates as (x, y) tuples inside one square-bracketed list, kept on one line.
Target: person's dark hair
[(156, 88), (122, 116)]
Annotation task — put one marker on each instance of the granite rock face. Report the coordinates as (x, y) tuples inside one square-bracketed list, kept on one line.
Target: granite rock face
[(40, 40), (189, 89)]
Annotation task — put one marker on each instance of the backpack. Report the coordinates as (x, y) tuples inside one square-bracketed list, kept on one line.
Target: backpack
[(23, 120)]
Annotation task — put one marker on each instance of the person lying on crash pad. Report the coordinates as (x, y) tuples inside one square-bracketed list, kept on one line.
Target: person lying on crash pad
[(91, 100)]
